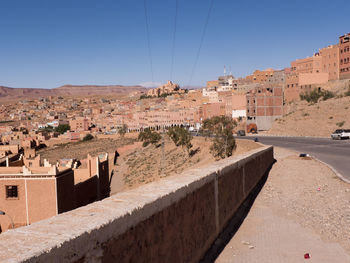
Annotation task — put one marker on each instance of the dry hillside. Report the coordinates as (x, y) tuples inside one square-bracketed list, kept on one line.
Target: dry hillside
[(319, 119), (7, 93), (143, 165)]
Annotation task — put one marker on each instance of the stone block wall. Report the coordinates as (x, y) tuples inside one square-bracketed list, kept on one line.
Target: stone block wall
[(175, 219)]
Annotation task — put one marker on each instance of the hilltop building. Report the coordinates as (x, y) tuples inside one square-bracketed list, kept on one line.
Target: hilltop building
[(168, 88)]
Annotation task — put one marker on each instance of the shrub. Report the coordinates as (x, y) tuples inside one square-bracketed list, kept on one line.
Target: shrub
[(327, 94), (149, 137), (340, 124), (181, 137), (347, 93), (88, 137), (316, 94)]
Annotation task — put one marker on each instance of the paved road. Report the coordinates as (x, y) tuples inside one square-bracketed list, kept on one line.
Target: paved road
[(333, 152)]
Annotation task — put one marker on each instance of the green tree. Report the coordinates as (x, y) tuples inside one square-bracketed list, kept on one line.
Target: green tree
[(149, 137), (181, 137), (88, 137), (48, 128), (122, 130), (220, 128), (62, 128)]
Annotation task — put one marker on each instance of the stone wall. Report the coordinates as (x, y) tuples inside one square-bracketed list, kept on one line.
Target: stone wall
[(175, 219)]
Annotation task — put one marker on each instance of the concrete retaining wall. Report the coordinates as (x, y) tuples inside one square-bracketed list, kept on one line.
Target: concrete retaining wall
[(175, 219)]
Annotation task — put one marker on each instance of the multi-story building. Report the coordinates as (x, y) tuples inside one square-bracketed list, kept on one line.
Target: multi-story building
[(210, 110), (344, 56), (79, 124), (260, 76), (226, 83), (330, 61), (303, 74), (264, 105)]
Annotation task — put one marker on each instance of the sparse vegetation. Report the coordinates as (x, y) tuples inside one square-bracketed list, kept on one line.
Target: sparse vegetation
[(181, 137), (305, 114), (340, 124), (149, 137), (220, 128), (331, 117), (315, 95), (144, 96)]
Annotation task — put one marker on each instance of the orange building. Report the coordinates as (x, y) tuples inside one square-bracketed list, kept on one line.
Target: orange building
[(344, 56), (330, 61), (213, 109), (305, 73), (260, 76), (28, 195), (79, 124)]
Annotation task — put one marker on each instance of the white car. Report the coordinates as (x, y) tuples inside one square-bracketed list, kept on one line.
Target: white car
[(340, 134)]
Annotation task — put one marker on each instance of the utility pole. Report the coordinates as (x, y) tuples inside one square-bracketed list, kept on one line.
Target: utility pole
[(162, 161)]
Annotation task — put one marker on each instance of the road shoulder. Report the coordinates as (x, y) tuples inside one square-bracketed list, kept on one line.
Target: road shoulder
[(303, 208)]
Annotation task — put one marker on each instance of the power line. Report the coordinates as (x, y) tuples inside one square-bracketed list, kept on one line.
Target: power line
[(173, 47), (148, 39), (201, 42)]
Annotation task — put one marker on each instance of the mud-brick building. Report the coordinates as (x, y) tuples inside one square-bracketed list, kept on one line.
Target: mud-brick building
[(264, 105), (28, 195)]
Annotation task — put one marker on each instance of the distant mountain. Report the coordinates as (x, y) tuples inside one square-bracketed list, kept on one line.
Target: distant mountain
[(66, 90), (13, 93), (72, 90)]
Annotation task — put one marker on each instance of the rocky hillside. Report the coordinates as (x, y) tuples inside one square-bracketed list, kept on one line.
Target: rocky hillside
[(67, 90), (316, 119)]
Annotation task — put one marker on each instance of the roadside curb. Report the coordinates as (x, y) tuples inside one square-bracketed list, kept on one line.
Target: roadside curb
[(333, 170), (286, 136)]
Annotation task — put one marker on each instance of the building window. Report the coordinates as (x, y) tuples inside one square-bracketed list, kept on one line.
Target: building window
[(11, 191)]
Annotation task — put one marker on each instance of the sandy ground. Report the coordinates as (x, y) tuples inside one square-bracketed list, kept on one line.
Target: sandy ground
[(321, 119), (303, 208), (143, 165)]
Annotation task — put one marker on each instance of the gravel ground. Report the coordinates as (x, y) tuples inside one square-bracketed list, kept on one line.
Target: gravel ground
[(313, 195), (303, 207)]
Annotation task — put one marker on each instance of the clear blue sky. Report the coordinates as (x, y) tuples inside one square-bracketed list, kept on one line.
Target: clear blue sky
[(47, 43)]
